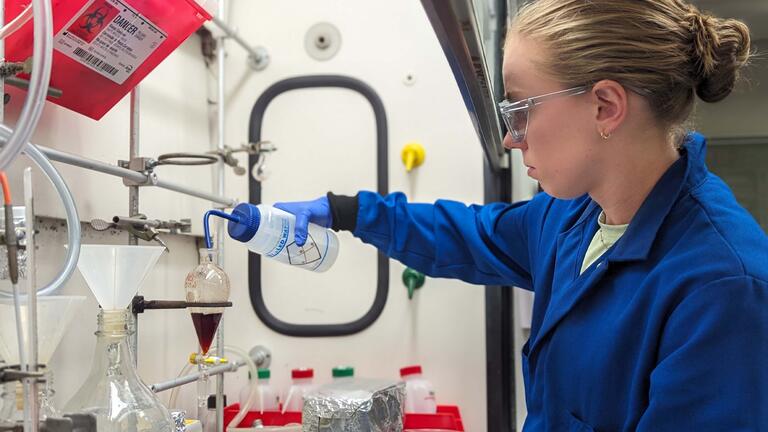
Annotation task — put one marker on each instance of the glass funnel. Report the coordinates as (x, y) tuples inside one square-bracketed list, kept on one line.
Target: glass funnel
[(114, 273), (54, 313), (207, 283), (113, 391)]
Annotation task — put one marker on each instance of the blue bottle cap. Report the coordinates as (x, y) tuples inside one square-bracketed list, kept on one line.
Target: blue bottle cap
[(250, 217)]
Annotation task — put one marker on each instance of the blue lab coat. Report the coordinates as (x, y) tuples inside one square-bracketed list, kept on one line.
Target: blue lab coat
[(667, 331)]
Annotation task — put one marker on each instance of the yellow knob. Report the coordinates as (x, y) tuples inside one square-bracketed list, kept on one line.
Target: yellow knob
[(413, 155)]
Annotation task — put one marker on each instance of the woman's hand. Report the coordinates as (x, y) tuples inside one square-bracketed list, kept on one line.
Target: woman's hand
[(317, 212)]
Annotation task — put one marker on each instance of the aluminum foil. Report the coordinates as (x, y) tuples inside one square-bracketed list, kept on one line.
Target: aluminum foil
[(358, 405), (178, 420)]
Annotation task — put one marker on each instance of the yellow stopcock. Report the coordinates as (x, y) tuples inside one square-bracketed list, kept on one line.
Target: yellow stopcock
[(413, 155)]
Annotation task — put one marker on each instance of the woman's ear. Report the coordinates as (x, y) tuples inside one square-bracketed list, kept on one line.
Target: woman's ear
[(611, 100)]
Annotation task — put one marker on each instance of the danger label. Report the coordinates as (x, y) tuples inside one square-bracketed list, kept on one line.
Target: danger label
[(109, 37)]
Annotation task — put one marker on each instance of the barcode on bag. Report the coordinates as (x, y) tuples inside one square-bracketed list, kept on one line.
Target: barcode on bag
[(95, 61)]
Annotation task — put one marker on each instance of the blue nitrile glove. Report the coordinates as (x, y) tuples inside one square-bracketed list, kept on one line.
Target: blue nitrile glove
[(317, 212)]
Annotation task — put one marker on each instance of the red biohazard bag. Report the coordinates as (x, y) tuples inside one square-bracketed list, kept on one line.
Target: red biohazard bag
[(103, 48)]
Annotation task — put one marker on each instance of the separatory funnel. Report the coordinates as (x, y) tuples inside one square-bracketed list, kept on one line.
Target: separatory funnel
[(207, 284), (54, 314), (113, 391)]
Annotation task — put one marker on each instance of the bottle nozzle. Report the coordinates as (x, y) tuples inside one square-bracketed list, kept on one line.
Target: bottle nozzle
[(207, 230)]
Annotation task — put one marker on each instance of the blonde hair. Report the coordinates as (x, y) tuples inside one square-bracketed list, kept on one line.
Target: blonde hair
[(665, 50)]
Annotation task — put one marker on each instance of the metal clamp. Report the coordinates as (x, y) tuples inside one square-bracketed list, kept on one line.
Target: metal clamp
[(13, 373), (260, 355), (227, 153), (70, 423), (141, 221), (258, 57), (142, 165), (139, 304), (143, 228), (146, 166)]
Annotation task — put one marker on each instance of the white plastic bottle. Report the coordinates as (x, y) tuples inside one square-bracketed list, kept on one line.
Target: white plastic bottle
[(302, 384), (267, 398), (268, 231), (419, 393)]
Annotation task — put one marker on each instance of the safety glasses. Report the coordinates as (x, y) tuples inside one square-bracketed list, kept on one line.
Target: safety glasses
[(516, 115)]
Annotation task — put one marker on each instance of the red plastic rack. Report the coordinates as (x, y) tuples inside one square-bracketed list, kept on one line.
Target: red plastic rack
[(268, 418), (447, 418)]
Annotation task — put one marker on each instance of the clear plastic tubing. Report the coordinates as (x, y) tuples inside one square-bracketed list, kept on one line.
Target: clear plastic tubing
[(11, 27), (252, 396), (73, 220), (42, 52), (175, 391)]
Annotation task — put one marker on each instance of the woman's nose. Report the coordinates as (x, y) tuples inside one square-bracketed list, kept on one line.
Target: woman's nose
[(510, 144)]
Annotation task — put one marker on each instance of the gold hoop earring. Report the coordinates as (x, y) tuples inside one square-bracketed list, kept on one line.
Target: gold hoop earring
[(605, 135)]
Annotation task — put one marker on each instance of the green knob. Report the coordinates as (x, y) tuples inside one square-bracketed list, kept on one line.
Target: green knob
[(413, 280)]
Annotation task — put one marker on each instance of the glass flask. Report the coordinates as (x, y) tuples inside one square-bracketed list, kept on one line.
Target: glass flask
[(113, 391), (46, 394), (207, 283), (8, 402)]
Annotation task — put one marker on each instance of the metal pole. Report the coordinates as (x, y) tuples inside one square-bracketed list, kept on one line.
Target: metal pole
[(220, 57), (133, 191), (105, 168), (258, 57), (187, 379), (32, 399), (133, 203)]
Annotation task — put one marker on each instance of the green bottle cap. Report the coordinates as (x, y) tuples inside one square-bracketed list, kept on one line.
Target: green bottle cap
[(264, 374), (343, 371)]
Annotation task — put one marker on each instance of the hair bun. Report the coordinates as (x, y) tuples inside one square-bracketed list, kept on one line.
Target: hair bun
[(721, 47)]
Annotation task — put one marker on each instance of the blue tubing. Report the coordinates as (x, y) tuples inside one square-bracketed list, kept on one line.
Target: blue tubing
[(207, 230)]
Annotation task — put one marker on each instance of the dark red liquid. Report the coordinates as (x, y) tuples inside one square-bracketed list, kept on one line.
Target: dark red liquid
[(205, 326)]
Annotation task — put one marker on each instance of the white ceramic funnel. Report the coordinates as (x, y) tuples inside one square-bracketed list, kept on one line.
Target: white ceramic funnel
[(54, 313), (115, 273)]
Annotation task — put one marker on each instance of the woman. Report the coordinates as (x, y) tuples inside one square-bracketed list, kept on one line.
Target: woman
[(651, 282)]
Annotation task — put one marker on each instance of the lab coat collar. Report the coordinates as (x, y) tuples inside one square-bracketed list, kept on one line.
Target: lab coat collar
[(569, 286), (685, 173)]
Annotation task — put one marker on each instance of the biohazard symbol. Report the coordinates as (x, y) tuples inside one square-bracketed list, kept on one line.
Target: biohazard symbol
[(94, 19)]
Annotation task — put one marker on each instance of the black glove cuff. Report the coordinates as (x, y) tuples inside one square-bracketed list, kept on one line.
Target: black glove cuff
[(343, 211)]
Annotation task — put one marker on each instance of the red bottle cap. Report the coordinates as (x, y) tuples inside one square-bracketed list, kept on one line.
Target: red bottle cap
[(410, 370), (302, 373)]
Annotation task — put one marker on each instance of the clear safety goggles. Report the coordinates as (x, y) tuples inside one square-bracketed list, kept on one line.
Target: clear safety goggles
[(516, 115)]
